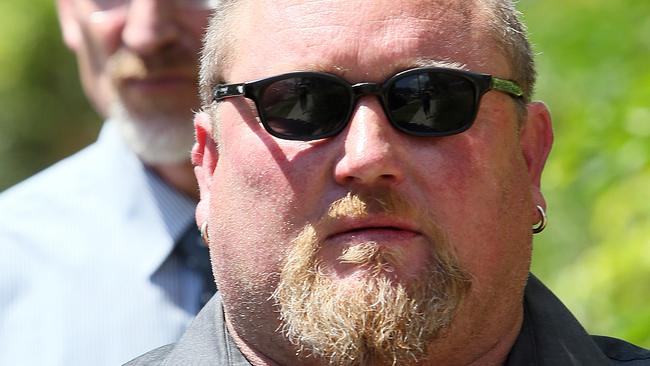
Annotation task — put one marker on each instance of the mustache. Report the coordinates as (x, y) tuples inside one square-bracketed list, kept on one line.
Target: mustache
[(385, 203), (125, 64), (359, 205)]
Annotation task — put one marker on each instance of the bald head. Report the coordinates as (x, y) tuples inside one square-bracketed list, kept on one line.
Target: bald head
[(490, 23)]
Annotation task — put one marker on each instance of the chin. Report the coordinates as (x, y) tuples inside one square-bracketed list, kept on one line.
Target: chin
[(395, 263)]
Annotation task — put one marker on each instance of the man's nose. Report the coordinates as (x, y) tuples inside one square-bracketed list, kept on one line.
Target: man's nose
[(374, 151), (150, 24)]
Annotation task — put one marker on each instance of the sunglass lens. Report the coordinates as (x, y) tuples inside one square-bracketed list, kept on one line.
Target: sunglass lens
[(305, 108), (432, 103)]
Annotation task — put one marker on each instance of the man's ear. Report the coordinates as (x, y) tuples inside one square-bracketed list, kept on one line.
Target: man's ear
[(204, 158), (536, 139), (69, 24)]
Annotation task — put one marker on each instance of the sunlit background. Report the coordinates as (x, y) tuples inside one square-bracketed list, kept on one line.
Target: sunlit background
[(594, 74)]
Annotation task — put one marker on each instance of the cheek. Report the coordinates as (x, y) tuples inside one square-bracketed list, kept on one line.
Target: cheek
[(246, 221), (250, 195), (481, 196), (102, 38), (99, 42), (268, 173), (195, 25), (262, 194)]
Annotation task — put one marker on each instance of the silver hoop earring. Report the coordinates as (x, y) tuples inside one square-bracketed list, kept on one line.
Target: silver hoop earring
[(542, 222), (204, 232)]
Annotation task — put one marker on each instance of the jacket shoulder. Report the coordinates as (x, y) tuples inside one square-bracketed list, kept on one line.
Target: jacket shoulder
[(152, 358), (622, 352)]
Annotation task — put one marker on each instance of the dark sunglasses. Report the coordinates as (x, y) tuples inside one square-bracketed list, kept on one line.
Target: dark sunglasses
[(427, 101)]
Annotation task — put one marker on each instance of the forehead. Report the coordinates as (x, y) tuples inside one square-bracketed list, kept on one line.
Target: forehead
[(363, 40)]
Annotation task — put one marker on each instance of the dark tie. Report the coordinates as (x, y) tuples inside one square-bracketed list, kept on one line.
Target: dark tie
[(194, 254)]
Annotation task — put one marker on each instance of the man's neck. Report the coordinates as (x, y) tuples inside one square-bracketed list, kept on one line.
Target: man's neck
[(180, 176), (479, 349)]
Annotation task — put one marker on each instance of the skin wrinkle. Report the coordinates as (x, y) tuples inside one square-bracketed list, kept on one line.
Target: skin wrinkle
[(303, 44), (388, 33)]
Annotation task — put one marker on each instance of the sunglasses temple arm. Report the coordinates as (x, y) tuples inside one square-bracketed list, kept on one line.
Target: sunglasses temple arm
[(507, 86), (223, 91)]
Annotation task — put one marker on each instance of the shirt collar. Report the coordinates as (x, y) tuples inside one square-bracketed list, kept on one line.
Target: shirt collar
[(153, 212), (177, 209)]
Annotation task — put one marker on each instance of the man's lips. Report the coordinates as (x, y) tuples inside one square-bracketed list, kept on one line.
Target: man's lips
[(379, 230), (158, 83)]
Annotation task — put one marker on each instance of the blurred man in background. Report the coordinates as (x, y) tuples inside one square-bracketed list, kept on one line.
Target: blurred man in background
[(101, 259)]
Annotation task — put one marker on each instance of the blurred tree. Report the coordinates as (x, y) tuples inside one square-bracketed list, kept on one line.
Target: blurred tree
[(593, 74), (44, 114)]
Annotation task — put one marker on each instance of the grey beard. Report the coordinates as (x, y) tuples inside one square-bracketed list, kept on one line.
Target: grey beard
[(159, 140)]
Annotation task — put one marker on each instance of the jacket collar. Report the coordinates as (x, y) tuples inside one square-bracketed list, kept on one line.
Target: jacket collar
[(550, 336)]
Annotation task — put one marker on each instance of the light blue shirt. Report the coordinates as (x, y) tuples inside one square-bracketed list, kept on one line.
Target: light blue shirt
[(86, 276)]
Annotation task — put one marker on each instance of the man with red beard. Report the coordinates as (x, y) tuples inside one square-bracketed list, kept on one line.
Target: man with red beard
[(101, 257), (369, 175)]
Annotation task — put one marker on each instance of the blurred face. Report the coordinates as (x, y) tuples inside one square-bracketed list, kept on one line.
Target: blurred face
[(138, 65), (351, 242)]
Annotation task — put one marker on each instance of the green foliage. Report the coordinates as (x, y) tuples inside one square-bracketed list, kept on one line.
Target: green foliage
[(45, 116), (593, 74)]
